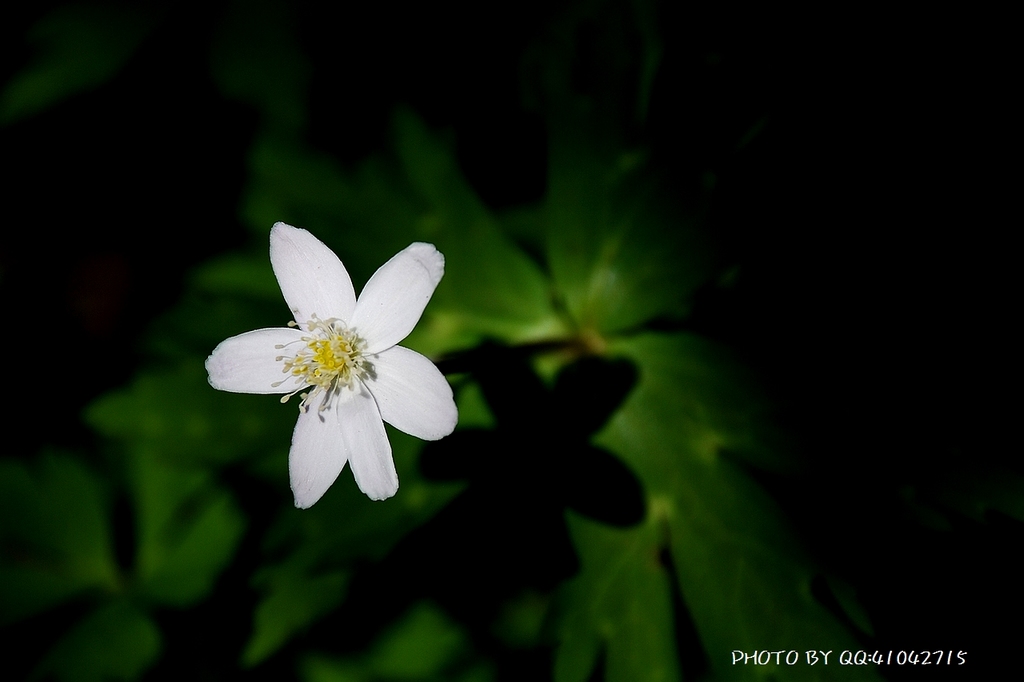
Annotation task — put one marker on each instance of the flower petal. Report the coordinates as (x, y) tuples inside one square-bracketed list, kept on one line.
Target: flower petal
[(312, 278), (412, 394), (367, 445), (350, 430), (247, 363), (392, 301), (317, 456)]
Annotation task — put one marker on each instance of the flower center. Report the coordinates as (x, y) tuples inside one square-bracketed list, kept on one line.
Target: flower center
[(329, 360)]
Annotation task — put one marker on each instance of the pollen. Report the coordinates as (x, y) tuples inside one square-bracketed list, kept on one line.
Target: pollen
[(329, 361)]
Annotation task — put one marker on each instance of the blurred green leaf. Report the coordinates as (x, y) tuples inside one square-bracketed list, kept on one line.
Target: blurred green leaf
[(419, 646), (80, 46), (246, 274), (318, 550), (302, 186), (742, 574), (188, 529), (521, 621), (473, 409), (311, 579), (365, 216), (116, 642), (974, 493), (424, 644), (54, 537), (296, 596), (620, 249), (192, 329), (322, 669), (846, 597), (620, 602), (257, 59), (647, 16), (491, 287), (371, 529), (176, 414)]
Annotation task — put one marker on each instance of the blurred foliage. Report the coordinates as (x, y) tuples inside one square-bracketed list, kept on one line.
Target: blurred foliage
[(601, 506), (79, 47), (56, 528)]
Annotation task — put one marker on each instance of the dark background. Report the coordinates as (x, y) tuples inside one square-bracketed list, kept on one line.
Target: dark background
[(863, 216)]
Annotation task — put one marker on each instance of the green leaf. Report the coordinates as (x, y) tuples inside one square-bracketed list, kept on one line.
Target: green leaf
[(245, 274), (621, 602), (972, 493), (293, 182), (79, 48), (202, 318), (188, 530), (296, 596), (846, 598), (54, 536), (317, 668), (620, 250), (491, 287), (371, 529), (256, 58), (424, 644), (115, 642), (744, 578), (520, 623), (419, 646), (176, 414), (319, 550), (312, 578), (364, 217)]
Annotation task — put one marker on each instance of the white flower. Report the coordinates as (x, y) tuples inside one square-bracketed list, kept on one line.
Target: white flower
[(342, 354)]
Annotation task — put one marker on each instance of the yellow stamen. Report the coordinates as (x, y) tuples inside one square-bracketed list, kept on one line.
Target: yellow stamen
[(330, 360)]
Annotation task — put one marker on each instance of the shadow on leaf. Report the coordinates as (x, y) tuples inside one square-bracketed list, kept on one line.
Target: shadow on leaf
[(540, 449)]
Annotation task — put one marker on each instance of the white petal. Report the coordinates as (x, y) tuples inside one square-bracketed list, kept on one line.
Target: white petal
[(367, 445), (351, 430), (312, 278), (392, 301), (317, 456), (247, 363), (412, 394)]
